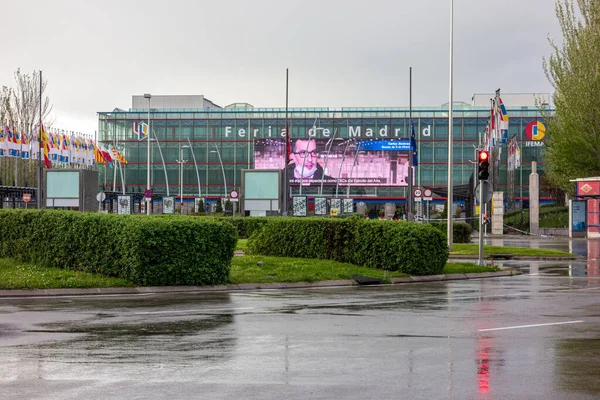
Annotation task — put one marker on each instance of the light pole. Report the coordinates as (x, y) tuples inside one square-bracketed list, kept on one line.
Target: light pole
[(337, 185), (196, 166), (222, 169), (450, 141), (327, 158), (181, 163), (352, 169), (148, 200)]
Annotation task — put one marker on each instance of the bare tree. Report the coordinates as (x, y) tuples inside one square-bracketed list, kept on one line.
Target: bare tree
[(26, 100)]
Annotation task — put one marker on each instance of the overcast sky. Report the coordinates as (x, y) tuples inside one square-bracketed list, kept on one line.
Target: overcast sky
[(340, 53)]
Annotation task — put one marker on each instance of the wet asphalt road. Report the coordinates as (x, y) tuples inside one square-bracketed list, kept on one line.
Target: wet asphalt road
[(535, 336)]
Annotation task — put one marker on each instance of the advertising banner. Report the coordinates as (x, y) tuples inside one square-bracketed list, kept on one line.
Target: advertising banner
[(578, 218), (337, 161)]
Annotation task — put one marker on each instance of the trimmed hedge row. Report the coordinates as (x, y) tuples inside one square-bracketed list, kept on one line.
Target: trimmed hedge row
[(461, 231), (246, 226), (145, 250), (411, 248)]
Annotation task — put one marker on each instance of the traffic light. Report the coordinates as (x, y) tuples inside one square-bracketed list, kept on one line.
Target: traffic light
[(483, 165), (485, 219)]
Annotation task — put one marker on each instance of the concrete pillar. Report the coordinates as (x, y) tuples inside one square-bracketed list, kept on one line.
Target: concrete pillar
[(498, 213), (534, 200)]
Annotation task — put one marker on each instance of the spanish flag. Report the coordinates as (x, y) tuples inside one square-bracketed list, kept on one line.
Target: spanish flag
[(45, 147)]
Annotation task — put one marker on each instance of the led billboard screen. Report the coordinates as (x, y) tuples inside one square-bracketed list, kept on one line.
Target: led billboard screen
[(327, 161)]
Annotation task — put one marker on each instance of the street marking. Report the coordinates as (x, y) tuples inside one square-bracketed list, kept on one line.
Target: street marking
[(193, 311), (529, 326)]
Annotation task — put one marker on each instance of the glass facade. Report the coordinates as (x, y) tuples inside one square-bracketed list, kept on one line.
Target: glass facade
[(223, 141)]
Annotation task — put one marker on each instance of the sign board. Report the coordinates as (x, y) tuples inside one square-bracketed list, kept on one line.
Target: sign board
[(124, 205), (169, 205), (335, 207), (26, 197), (417, 193), (578, 217), (148, 193), (101, 197), (299, 206), (487, 191), (347, 206), (427, 195), (320, 205), (234, 194)]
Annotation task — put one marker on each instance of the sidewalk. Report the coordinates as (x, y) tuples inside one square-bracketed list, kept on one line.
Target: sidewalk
[(239, 287)]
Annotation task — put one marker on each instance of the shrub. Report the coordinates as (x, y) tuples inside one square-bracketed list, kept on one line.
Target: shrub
[(246, 226), (461, 231), (157, 250), (399, 246)]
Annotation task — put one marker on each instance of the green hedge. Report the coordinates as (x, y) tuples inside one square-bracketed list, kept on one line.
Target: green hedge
[(246, 226), (461, 231), (412, 248), (171, 250)]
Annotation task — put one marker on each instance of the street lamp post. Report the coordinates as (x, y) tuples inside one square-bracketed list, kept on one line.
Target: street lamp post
[(148, 96), (181, 163), (450, 140), (196, 166), (352, 169), (327, 158), (222, 168)]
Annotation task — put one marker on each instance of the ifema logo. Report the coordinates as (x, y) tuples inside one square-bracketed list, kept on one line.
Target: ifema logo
[(535, 130)]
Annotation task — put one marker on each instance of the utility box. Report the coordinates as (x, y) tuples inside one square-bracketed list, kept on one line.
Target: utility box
[(71, 188)]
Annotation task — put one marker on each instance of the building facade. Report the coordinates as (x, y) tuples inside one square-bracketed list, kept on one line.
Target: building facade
[(213, 145)]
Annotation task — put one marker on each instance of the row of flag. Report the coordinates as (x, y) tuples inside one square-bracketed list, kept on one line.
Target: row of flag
[(59, 148), (514, 154), (496, 131)]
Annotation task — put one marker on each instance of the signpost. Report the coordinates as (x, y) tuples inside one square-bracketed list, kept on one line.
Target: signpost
[(234, 198), (100, 197), (26, 199), (427, 196), (484, 193), (418, 193)]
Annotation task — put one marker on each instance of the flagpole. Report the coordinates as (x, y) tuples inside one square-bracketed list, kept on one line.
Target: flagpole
[(287, 141), (409, 197), (39, 164), (450, 200)]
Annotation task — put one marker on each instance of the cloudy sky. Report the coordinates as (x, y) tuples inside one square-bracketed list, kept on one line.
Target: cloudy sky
[(340, 53)]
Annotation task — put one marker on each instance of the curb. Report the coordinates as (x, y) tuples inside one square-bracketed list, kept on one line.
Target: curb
[(242, 286), (528, 258)]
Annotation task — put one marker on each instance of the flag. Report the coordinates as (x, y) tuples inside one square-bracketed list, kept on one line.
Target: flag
[(46, 147), (413, 145), (502, 111), (2, 142), (140, 129), (25, 147), (106, 156)]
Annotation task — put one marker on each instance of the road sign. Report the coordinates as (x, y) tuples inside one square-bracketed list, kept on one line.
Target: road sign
[(418, 192), (101, 196), (148, 193), (427, 195), (487, 191), (234, 194), (26, 197)]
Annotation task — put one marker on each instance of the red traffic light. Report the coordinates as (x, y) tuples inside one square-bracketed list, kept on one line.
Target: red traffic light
[(484, 155)]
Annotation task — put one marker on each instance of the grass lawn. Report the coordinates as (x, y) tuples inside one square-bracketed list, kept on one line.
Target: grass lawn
[(467, 268), (19, 275), (473, 249), (244, 269)]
